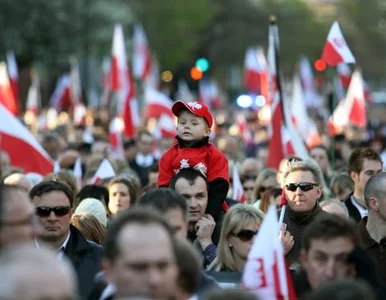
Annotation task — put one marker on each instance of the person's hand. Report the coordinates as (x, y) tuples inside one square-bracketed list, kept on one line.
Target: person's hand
[(204, 230), (286, 238)]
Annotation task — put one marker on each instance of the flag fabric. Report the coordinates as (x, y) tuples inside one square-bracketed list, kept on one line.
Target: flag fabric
[(78, 173), (255, 70), (123, 84), (156, 103), (336, 50), (22, 147), (6, 94), (165, 127), (351, 110), (61, 98), (115, 138), (105, 170), (75, 84), (266, 273), (141, 54), (80, 114), (209, 93), (154, 77), (13, 78), (237, 187), (311, 97), (33, 104)]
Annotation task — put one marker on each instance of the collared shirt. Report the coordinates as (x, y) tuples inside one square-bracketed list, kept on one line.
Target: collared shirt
[(61, 249), (362, 211)]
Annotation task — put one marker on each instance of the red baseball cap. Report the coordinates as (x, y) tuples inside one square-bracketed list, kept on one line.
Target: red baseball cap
[(198, 109)]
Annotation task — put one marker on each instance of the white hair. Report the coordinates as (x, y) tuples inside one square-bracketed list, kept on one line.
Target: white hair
[(94, 207)]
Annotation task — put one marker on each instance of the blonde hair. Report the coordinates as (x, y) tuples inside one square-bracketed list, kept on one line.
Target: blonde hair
[(305, 166), (236, 218), (264, 175)]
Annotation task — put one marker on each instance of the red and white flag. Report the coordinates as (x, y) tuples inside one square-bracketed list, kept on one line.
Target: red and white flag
[(209, 93), (336, 50), (75, 84), (33, 98), (154, 77), (141, 54), (13, 77), (105, 170), (115, 138), (123, 83), (255, 70), (311, 97), (78, 173), (266, 273), (61, 98), (23, 149), (6, 94), (166, 127), (237, 187), (156, 103), (351, 110)]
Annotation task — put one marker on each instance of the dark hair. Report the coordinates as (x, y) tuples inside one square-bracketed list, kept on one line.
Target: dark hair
[(132, 185), (163, 200), (329, 226), (154, 168), (50, 186), (65, 176), (375, 187), (136, 215), (128, 144), (190, 174), (93, 191), (355, 162), (230, 294), (89, 227), (189, 265), (322, 147)]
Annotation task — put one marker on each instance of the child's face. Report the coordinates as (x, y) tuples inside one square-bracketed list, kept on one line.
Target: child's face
[(190, 127)]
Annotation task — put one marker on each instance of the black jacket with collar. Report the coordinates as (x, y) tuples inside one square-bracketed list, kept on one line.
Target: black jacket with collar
[(353, 212), (85, 257)]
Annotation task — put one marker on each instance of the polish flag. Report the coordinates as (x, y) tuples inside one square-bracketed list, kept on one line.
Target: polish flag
[(255, 68), (75, 84), (115, 138), (33, 98), (156, 103), (209, 93), (266, 273), (311, 97), (237, 187), (13, 77), (23, 149), (154, 77), (78, 173), (141, 54), (6, 94), (166, 127), (352, 109), (123, 83), (336, 50), (105, 170), (244, 130), (61, 98)]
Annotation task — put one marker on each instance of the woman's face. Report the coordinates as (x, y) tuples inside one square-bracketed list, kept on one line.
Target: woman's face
[(241, 240), (267, 184), (119, 198)]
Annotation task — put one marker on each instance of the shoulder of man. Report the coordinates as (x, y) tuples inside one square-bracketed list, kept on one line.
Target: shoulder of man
[(78, 244)]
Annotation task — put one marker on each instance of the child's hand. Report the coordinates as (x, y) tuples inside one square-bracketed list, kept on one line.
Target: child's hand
[(204, 230)]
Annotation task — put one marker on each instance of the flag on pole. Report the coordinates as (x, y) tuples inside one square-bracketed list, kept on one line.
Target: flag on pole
[(115, 138), (156, 103), (165, 127), (61, 98), (265, 273), (33, 104), (13, 78), (141, 54), (123, 83), (255, 70), (237, 187), (336, 50), (22, 147), (6, 95), (105, 170)]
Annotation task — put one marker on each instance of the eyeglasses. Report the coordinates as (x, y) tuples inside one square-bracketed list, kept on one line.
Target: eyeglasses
[(304, 186), (246, 235), (45, 211)]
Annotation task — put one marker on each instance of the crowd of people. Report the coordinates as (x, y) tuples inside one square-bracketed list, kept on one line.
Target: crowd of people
[(166, 226)]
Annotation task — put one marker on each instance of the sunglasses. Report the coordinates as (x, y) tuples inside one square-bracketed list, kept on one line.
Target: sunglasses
[(246, 235), (59, 211), (304, 186)]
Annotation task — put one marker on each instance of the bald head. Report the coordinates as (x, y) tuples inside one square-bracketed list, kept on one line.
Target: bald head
[(375, 187), (20, 180), (35, 274)]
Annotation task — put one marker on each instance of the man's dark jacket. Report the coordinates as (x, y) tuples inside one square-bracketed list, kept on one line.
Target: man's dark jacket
[(353, 212)]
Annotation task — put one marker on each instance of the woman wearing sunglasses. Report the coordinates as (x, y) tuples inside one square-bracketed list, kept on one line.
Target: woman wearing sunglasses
[(240, 225)]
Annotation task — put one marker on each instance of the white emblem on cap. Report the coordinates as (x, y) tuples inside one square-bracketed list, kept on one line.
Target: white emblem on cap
[(195, 105)]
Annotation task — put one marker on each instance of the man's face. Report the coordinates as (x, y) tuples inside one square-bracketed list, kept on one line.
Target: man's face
[(369, 168), (299, 200), (18, 217), (53, 227), (326, 260), (320, 156), (52, 148), (178, 222), (248, 187), (196, 195), (145, 144), (145, 267)]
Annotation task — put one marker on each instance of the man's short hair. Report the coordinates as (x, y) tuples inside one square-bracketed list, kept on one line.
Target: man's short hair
[(306, 165), (136, 215), (322, 147), (51, 186), (375, 187), (93, 191), (329, 226), (163, 200), (355, 161), (337, 202), (189, 174)]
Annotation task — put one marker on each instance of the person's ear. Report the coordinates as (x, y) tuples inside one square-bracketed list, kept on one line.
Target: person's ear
[(354, 176), (207, 132), (373, 204)]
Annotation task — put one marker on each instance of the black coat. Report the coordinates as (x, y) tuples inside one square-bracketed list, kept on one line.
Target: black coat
[(85, 257), (353, 212)]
